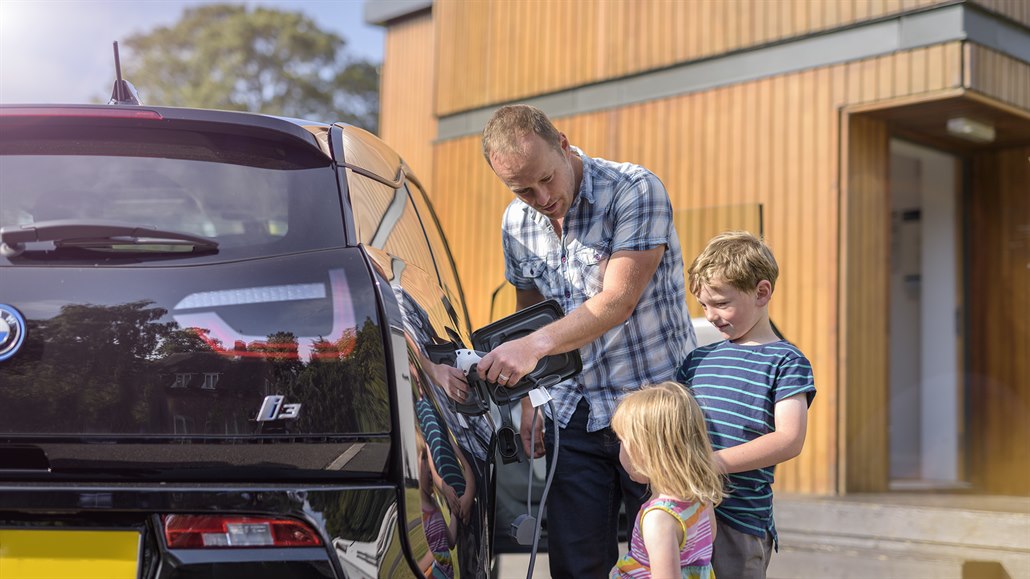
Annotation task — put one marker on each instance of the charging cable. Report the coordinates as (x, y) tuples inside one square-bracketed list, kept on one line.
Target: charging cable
[(525, 529), (523, 524)]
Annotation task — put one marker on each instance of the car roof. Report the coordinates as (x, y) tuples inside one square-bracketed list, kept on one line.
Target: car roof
[(361, 149), (175, 112), (298, 128)]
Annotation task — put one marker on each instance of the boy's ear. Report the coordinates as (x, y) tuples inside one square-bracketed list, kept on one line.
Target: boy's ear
[(763, 292)]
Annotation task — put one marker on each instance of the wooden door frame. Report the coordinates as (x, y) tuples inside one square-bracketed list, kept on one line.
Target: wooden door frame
[(864, 288), (862, 381)]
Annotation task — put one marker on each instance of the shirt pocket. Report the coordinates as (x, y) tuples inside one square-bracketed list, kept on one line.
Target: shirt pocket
[(532, 267), (590, 264), (541, 274)]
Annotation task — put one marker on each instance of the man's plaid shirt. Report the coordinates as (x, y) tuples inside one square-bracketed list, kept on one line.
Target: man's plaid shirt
[(619, 206)]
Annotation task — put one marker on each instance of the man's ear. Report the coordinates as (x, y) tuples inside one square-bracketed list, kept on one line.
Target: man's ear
[(563, 142), (763, 293)]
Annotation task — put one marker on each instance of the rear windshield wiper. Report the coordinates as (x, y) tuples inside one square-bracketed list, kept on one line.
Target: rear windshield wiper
[(99, 234)]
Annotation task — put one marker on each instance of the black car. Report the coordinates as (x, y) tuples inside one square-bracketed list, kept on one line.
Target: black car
[(222, 342)]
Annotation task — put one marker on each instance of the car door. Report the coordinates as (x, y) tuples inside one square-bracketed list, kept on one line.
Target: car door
[(448, 454)]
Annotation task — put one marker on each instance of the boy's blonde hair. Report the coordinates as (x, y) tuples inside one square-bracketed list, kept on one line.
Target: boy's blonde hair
[(663, 431), (510, 123), (735, 257)]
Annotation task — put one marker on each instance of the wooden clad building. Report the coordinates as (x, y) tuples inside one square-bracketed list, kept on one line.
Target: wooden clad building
[(882, 147)]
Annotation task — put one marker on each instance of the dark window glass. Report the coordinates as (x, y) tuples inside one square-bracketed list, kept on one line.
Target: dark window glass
[(259, 202)]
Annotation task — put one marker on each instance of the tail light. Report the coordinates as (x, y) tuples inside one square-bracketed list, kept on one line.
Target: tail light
[(234, 531)]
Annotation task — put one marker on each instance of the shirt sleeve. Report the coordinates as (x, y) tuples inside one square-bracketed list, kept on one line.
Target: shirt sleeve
[(793, 377), (643, 215), (685, 374), (512, 272)]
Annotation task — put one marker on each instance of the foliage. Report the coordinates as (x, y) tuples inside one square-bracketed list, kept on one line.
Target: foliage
[(357, 379), (91, 369), (222, 56)]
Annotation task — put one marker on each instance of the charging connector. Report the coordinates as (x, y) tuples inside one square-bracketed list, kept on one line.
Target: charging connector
[(523, 528)]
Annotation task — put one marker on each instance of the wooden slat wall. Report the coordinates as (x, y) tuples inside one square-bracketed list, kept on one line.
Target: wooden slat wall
[(492, 52), (1018, 10), (864, 295), (997, 75), (999, 320), (773, 142), (406, 111), (733, 145)]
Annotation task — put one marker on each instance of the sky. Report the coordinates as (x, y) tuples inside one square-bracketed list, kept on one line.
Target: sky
[(59, 51)]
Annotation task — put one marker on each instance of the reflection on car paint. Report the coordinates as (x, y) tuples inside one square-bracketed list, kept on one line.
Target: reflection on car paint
[(362, 559), (253, 295), (215, 331), (452, 457), (131, 368)]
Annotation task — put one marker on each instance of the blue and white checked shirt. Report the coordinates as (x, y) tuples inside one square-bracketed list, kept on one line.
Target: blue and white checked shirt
[(619, 206)]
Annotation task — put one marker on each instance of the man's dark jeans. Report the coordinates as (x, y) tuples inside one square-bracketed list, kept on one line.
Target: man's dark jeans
[(583, 503)]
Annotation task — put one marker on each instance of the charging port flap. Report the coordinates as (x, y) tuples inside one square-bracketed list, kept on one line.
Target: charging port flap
[(549, 371)]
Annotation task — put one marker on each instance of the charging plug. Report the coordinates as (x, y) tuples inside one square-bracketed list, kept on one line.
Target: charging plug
[(508, 445), (466, 359), (522, 529)]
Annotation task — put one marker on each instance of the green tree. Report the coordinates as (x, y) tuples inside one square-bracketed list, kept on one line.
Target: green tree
[(223, 56)]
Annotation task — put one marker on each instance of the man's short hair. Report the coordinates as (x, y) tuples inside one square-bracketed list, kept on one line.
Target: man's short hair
[(512, 122), (735, 257)]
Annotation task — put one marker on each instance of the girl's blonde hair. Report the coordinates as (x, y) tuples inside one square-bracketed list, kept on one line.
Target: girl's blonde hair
[(663, 431)]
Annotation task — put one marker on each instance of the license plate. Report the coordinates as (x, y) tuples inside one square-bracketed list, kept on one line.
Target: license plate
[(69, 554)]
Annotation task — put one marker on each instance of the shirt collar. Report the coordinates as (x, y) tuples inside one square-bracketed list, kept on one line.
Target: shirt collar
[(586, 185)]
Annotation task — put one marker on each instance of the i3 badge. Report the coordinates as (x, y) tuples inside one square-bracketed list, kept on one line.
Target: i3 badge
[(12, 331)]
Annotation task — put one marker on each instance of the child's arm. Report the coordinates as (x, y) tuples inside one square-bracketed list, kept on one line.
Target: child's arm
[(786, 442), (662, 537), (712, 521), (452, 530), (465, 503)]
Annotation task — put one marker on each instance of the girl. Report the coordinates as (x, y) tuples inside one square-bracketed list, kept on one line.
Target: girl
[(665, 445), (441, 535)]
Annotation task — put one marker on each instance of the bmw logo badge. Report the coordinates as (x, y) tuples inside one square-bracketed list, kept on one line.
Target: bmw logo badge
[(12, 331)]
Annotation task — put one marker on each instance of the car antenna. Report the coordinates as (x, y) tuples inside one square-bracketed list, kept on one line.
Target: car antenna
[(123, 92)]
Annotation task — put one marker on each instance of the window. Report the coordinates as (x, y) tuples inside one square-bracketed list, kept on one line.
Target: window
[(444, 262), (210, 380), (171, 180), (386, 219)]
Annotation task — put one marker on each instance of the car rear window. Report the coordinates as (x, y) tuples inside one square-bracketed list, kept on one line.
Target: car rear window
[(254, 197)]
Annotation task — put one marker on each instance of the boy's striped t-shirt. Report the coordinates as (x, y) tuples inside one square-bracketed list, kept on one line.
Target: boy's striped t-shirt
[(738, 387)]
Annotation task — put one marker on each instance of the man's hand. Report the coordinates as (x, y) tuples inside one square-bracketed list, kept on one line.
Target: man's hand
[(510, 362), (450, 496), (451, 380), (625, 279), (529, 434)]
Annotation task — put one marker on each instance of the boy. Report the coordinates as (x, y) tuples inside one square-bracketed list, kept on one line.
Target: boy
[(754, 388)]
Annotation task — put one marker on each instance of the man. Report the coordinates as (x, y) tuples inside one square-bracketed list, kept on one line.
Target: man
[(598, 237)]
